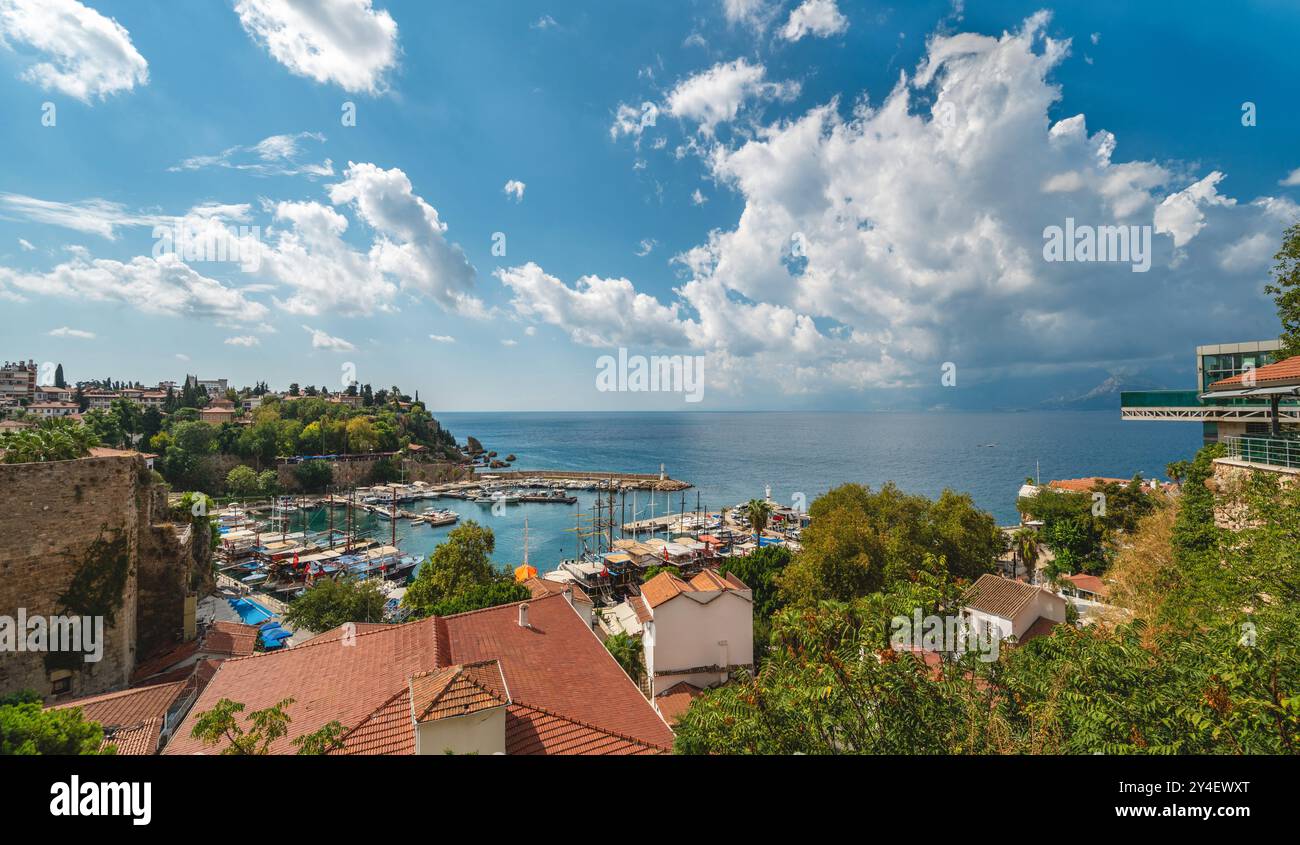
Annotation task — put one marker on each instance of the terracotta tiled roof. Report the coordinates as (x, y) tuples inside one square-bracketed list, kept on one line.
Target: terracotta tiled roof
[(231, 638), (128, 708), (1042, 627), (557, 664), (357, 628), (663, 587), (1084, 485), (1280, 374), (327, 679), (666, 586), (544, 587), (561, 680), (138, 741), (1090, 583), (638, 607), (532, 730), (675, 700), (707, 579), (388, 730), (998, 596), (457, 691), (166, 660)]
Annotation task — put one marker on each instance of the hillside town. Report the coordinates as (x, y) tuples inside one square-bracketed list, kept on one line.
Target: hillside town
[(229, 599)]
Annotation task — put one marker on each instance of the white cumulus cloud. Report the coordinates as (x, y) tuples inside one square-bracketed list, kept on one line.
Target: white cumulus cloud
[(83, 54), (821, 18), (348, 43), (716, 95)]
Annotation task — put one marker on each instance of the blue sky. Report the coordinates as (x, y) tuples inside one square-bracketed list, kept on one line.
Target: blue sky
[(669, 155)]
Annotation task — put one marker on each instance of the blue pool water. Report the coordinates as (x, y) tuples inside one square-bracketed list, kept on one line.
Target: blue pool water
[(251, 612)]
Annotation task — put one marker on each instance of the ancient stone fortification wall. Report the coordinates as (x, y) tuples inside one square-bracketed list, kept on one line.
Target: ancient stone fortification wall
[(1229, 481), (87, 522), (354, 472), (51, 517)]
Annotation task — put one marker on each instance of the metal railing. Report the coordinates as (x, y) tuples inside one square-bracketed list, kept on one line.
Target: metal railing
[(1273, 451)]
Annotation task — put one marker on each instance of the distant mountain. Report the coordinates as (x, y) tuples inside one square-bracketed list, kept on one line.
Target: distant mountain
[(1102, 397)]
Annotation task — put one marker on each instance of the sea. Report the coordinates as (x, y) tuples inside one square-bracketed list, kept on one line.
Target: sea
[(732, 457)]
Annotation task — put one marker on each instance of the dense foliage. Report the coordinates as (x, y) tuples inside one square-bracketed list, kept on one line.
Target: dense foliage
[(460, 576), (1202, 655), (861, 541), (55, 439), (26, 728), (336, 601)]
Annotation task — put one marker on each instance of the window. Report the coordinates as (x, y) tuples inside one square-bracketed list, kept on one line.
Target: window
[(61, 686)]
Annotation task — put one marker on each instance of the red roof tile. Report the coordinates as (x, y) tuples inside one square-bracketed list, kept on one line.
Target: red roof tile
[(532, 730), (125, 707), (1084, 485), (231, 638), (457, 691), (139, 741), (388, 730), (563, 683), (638, 607), (544, 587), (1090, 583), (164, 661), (675, 700), (328, 681)]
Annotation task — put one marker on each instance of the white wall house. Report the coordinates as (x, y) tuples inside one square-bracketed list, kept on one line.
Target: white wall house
[(1011, 608), (696, 631)]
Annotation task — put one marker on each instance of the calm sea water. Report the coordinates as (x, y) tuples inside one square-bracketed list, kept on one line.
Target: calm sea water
[(730, 457)]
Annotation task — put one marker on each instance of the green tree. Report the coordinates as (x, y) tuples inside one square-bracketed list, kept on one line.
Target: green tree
[(332, 602), (26, 728), (1024, 546), (462, 561), (314, 476), (54, 439), (627, 650), (652, 571), (268, 482), (1285, 290), (241, 481), (499, 591), (260, 729), (758, 512)]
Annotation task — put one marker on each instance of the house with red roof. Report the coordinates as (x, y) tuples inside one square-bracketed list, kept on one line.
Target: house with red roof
[(523, 678), (695, 634)]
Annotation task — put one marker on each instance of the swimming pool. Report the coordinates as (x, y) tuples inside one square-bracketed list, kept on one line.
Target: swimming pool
[(250, 611)]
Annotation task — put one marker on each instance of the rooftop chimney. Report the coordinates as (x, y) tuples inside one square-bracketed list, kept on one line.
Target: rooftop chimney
[(523, 615), (568, 595)]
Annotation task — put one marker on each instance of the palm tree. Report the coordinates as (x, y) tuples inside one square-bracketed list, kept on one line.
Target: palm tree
[(1024, 546), (626, 649), (55, 439), (758, 511)]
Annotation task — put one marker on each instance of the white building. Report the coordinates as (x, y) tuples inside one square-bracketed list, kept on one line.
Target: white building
[(52, 409), (50, 393), (696, 631), (1011, 608)]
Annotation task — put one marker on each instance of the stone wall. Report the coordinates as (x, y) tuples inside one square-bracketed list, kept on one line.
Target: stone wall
[(1228, 483), (56, 520), (352, 472)]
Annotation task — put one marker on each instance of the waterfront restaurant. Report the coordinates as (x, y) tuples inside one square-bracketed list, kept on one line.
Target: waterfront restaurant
[(1225, 413), (1278, 444)]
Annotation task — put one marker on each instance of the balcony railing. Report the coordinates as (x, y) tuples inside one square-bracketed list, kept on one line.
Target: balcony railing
[(1272, 451)]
